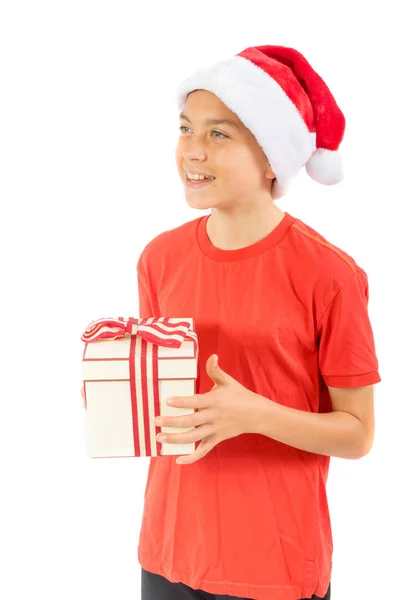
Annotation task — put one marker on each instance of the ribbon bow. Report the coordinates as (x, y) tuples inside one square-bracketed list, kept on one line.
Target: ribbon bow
[(156, 331)]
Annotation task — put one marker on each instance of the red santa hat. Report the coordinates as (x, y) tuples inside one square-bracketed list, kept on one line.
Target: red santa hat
[(285, 104)]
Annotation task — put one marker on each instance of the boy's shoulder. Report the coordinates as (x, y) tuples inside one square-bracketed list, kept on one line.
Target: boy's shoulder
[(320, 253), (171, 243)]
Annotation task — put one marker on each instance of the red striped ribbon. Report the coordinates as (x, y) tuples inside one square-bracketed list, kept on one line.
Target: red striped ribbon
[(156, 331)]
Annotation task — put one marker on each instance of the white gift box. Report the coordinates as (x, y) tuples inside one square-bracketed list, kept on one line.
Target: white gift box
[(130, 368)]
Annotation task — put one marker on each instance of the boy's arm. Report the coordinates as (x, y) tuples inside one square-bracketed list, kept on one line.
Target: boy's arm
[(349, 367), (346, 432)]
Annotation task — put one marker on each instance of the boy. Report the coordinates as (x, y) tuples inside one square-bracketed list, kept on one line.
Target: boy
[(246, 515)]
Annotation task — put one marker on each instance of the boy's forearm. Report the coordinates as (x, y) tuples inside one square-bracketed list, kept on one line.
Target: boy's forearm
[(336, 433)]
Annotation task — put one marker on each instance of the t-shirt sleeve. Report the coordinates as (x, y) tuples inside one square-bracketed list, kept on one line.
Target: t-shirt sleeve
[(146, 308), (347, 355)]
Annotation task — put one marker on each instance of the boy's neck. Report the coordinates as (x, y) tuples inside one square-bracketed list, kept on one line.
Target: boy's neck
[(228, 231)]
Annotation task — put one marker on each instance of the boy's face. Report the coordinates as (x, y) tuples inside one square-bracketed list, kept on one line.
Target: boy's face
[(227, 151)]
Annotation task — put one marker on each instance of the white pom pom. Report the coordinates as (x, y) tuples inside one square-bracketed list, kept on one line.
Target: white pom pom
[(325, 166)]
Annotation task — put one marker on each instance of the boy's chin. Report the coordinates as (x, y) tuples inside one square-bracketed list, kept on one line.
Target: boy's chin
[(200, 203)]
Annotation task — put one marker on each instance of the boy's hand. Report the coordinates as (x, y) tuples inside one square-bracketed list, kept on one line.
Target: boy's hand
[(227, 411)]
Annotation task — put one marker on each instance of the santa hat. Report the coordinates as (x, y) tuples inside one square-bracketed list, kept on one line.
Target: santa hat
[(285, 104)]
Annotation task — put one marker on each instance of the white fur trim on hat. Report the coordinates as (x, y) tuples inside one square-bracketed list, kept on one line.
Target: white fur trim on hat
[(264, 108)]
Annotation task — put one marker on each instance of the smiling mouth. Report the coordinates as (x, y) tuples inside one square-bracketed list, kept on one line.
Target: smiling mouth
[(196, 175), (197, 182)]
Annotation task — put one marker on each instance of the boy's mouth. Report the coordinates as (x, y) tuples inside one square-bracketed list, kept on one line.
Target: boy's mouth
[(197, 180)]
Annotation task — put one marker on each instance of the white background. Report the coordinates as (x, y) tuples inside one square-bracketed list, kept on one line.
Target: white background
[(88, 132)]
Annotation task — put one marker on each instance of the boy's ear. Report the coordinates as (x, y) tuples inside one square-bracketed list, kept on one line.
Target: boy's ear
[(269, 174)]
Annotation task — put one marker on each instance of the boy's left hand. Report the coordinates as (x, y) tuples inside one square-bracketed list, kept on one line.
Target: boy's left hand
[(228, 410)]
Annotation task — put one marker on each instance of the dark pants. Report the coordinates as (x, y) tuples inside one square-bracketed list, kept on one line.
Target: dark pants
[(156, 587)]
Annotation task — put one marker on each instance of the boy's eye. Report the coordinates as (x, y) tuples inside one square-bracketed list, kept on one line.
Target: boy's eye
[(183, 127), (219, 133)]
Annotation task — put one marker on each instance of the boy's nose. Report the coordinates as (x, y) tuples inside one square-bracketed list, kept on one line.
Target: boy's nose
[(193, 149)]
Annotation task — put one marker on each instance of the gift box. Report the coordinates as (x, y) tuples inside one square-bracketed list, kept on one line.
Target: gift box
[(130, 368)]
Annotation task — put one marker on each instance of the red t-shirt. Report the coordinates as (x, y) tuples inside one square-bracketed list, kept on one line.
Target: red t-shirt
[(287, 317)]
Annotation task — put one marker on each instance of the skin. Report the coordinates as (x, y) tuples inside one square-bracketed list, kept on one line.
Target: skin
[(242, 213), (242, 208)]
